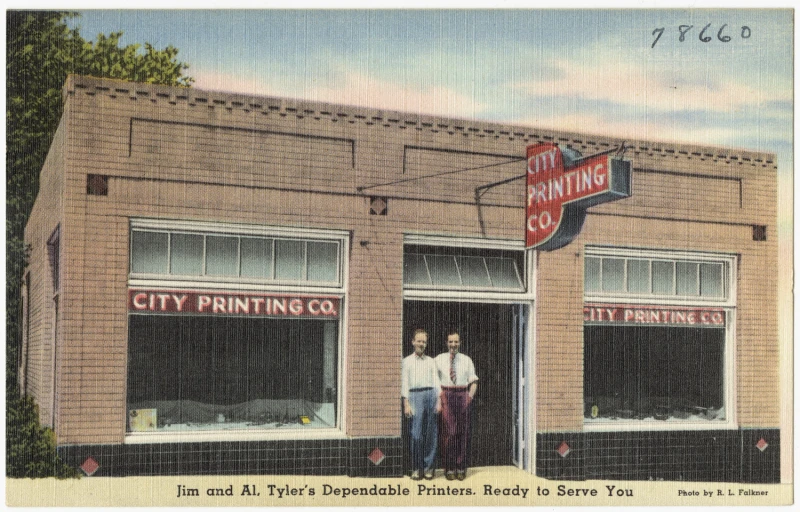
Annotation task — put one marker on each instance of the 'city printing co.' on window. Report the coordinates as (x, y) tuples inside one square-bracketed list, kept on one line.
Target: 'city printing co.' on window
[(233, 330), (658, 344)]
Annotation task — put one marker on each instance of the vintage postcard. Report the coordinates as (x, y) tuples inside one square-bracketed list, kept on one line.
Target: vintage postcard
[(407, 257)]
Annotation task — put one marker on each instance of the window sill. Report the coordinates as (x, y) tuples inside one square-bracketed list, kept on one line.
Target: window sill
[(645, 425), (228, 435)]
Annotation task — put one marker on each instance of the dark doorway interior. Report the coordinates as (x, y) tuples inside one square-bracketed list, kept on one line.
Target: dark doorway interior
[(486, 336)]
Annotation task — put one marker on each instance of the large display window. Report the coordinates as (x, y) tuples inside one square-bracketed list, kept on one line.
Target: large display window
[(233, 328), (658, 338), (190, 373)]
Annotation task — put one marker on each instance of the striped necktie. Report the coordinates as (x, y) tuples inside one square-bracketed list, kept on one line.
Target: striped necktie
[(453, 368)]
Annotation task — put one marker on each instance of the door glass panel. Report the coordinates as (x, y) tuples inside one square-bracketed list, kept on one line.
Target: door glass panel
[(473, 271), (443, 270), (503, 272), (414, 270)]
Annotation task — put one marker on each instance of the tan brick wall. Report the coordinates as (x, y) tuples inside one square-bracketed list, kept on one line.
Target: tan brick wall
[(191, 155), (38, 346)]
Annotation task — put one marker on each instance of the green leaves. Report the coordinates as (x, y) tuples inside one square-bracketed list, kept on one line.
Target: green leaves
[(41, 52)]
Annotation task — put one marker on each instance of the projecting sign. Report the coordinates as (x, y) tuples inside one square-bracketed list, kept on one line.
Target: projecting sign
[(561, 185)]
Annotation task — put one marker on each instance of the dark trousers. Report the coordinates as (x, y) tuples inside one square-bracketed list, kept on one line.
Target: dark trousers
[(454, 438), (423, 429)]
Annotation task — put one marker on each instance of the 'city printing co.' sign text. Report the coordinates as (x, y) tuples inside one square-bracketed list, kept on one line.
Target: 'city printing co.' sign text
[(561, 185), (216, 303)]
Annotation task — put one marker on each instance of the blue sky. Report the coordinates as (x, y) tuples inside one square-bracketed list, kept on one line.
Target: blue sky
[(593, 71)]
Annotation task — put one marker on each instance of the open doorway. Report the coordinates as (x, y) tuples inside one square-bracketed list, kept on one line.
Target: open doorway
[(489, 335)]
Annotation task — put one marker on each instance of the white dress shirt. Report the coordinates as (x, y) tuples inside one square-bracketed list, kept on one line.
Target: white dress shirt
[(419, 372), (465, 370)]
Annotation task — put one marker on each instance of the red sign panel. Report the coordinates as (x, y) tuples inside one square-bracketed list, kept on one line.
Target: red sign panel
[(226, 303), (559, 191), (599, 314)]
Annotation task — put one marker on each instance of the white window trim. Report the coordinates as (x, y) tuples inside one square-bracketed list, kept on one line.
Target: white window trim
[(230, 229), (233, 435), (727, 303), (340, 290), (729, 277), (474, 294)]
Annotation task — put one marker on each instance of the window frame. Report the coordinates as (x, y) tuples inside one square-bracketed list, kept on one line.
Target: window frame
[(228, 283), (728, 261), (523, 270), (271, 234), (727, 302)]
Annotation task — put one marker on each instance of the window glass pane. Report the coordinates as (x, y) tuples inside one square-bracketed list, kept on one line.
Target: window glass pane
[(686, 278), (591, 275), (613, 274), (222, 256), (186, 254), (503, 273), (638, 276), (290, 259), (414, 270), (190, 373), (257, 257), (149, 252), (473, 271), (711, 280), (663, 277), (654, 373), (322, 261), (443, 270)]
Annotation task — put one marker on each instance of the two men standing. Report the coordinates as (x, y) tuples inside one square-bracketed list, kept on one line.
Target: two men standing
[(445, 385)]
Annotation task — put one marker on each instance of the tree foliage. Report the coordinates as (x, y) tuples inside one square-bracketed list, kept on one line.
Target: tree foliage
[(41, 52)]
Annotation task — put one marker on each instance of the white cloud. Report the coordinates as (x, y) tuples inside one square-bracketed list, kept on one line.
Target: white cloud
[(350, 88)]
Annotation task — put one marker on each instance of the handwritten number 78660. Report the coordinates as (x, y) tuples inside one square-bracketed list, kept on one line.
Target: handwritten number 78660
[(704, 35)]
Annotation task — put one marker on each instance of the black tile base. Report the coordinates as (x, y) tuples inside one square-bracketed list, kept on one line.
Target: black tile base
[(696, 455), (300, 457)]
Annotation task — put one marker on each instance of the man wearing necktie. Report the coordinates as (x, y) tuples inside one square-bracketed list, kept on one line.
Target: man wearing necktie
[(459, 384), (420, 391)]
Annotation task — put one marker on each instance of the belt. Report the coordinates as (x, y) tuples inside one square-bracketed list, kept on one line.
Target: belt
[(419, 389), (455, 388)]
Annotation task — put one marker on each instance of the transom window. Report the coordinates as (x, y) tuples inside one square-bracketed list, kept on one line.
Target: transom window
[(655, 276), (461, 268), (210, 255)]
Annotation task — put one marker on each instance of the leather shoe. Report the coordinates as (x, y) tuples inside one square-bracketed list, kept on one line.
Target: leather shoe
[(450, 475)]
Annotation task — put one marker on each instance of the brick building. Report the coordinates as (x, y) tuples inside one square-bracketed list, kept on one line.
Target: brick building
[(221, 283)]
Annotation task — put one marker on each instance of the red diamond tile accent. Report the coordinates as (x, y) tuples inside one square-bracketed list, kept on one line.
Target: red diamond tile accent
[(563, 449), (376, 456), (762, 444), (90, 466)]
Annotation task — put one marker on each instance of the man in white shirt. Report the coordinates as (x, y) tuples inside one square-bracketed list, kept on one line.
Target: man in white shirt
[(459, 384), (421, 405)]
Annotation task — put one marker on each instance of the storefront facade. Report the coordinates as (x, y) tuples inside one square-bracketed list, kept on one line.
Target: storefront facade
[(227, 284)]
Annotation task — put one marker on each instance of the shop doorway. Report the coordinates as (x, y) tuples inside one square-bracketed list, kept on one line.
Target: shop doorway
[(494, 336)]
